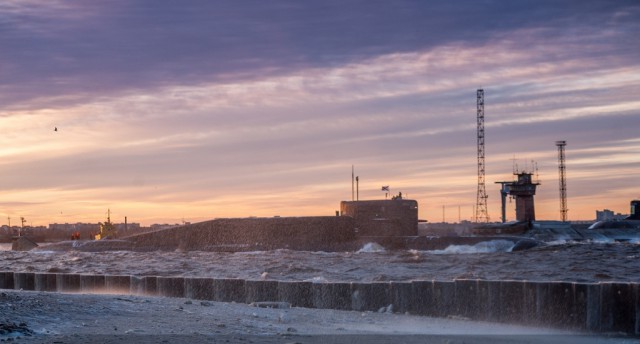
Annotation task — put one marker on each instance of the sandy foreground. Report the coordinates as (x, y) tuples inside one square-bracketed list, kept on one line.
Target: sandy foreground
[(38, 317)]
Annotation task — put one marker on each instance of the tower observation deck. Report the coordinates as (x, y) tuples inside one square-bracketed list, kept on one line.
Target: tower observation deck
[(523, 189)]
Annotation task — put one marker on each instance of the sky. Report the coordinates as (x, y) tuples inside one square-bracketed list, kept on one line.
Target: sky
[(171, 111)]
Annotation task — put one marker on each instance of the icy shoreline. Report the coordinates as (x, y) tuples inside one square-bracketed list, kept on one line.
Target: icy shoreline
[(83, 318)]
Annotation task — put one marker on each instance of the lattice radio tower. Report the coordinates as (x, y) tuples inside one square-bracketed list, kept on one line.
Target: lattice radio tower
[(563, 181), (481, 199)]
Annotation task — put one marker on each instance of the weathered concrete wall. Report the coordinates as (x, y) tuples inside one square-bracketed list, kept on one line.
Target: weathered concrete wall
[(299, 233), (592, 307)]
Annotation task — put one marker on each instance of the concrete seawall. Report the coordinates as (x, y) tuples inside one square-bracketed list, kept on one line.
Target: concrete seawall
[(591, 307)]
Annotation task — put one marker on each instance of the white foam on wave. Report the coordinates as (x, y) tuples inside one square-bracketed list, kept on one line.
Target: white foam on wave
[(481, 247), (43, 252), (371, 247), (603, 240), (316, 279)]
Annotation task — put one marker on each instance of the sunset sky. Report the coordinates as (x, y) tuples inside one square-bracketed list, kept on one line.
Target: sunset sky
[(191, 110)]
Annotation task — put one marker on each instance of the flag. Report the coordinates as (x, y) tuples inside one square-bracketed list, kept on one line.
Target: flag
[(385, 188)]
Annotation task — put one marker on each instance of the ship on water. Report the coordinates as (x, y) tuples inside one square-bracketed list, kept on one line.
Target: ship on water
[(107, 229)]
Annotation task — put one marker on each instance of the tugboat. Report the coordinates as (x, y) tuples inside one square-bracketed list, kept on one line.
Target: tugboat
[(107, 229)]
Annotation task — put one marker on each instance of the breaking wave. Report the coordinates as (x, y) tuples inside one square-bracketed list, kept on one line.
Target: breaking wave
[(491, 259), (371, 247), (491, 246)]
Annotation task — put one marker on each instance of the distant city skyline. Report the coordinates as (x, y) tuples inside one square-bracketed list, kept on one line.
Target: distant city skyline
[(194, 110)]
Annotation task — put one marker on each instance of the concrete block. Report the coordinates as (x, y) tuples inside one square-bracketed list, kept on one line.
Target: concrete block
[(594, 307), (529, 303), (298, 294), (6, 280), (618, 312), (117, 284), (636, 293), (228, 290), (401, 296), (170, 286), (579, 311), (260, 290), (332, 295), (444, 293), (484, 300), (68, 283), (199, 288), (467, 299), (136, 285), (424, 303), (24, 280), (556, 304), (45, 282), (369, 296), (492, 304), (511, 301), (92, 283), (150, 285)]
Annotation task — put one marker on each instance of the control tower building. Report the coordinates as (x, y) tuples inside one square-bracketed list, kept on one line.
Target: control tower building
[(523, 189)]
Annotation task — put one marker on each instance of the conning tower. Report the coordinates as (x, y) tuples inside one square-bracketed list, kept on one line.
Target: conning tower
[(635, 210)]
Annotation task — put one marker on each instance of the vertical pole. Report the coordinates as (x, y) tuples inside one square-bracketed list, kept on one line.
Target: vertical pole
[(357, 188), (482, 214), (443, 213), (562, 180)]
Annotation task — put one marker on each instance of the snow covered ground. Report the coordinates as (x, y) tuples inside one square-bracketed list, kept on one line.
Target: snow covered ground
[(39, 317)]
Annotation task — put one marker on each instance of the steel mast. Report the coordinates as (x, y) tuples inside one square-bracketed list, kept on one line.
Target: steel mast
[(563, 182), (482, 214)]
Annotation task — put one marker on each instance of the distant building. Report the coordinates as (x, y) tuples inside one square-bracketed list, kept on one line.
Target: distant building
[(79, 226), (608, 215)]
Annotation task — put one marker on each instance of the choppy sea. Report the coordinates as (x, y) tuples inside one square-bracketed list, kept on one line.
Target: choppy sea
[(559, 261)]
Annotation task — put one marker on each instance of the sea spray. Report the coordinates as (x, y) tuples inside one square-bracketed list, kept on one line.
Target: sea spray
[(491, 246), (371, 247)]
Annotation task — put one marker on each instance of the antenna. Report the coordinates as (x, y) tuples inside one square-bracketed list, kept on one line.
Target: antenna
[(563, 182), (481, 198), (352, 181), (357, 188)]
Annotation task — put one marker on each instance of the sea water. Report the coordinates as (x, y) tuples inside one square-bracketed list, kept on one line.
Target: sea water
[(562, 261)]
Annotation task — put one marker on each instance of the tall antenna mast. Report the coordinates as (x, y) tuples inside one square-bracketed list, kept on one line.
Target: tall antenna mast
[(563, 181), (481, 200)]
